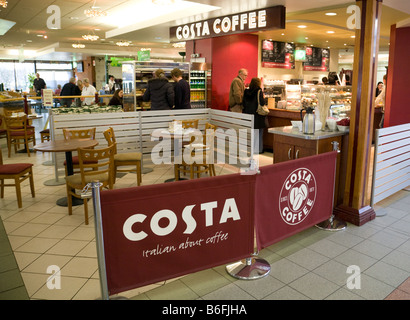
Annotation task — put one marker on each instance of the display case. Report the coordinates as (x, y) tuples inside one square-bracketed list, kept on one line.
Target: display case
[(293, 97), (341, 97), (135, 76), (198, 84)]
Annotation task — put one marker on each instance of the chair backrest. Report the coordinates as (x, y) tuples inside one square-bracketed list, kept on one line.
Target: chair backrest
[(9, 113), (209, 136), (16, 123), (70, 134), (110, 137), (190, 124), (1, 157), (101, 161)]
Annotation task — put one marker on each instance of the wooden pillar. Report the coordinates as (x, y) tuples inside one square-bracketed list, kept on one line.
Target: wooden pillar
[(356, 205)]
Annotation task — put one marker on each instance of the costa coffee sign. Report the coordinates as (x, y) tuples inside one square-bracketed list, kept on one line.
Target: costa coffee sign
[(250, 21)]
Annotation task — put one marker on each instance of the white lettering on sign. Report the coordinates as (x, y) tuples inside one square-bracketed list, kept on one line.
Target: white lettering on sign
[(297, 196), (250, 20), (229, 211)]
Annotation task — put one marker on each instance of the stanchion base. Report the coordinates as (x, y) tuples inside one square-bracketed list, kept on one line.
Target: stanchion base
[(332, 224), (54, 182), (249, 269), (63, 202)]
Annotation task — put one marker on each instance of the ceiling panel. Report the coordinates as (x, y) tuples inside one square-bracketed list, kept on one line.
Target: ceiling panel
[(31, 16)]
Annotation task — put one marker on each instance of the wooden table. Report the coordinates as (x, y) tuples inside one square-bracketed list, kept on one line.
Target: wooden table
[(67, 146)]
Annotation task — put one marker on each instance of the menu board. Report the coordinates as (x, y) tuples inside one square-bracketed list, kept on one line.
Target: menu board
[(277, 54), (317, 59)]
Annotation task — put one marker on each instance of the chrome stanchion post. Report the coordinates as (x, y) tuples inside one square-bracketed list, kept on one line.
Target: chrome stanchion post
[(95, 194), (333, 223), (251, 268)]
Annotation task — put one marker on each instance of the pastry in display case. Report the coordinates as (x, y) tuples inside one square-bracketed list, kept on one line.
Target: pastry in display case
[(293, 97)]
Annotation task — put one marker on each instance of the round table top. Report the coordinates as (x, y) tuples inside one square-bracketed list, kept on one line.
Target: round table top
[(65, 145)]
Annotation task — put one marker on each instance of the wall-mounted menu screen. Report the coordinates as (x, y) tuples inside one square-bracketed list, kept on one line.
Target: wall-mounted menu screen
[(317, 59), (277, 54)]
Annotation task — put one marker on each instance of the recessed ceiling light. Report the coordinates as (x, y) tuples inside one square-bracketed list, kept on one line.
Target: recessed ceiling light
[(306, 38), (331, 13), (45, 37), (302, 26), (352, 37), (330, 31), (29, 40), (73, 18), (40, 35)]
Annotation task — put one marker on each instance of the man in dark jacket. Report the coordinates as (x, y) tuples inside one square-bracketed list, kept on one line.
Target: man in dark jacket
[(69, 89), (182, 90), (160, 92), (39, 84)]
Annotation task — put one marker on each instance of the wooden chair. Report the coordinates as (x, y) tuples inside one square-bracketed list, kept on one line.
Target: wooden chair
[(95, 164), (77, 134), (124, 159), (202, 154), (3, 132), (190, 124), (45, 133), (17, 172), (18, 132)]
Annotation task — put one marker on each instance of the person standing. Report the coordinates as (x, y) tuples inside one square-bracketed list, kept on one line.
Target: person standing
[(236, 91), (250, 106), (116, 99), (69, 89), (39, 84), (88, 90), (381, 99), (182, 90), (160, 92), (111, 82)]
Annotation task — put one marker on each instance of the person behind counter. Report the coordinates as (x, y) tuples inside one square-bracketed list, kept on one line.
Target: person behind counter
[(160, 92), (88, 90), (182, 90), (250, 105), (116, 99)]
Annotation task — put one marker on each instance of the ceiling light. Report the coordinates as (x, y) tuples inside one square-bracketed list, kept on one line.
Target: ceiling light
[(91, 37), (78, 45), (3, 3), (91, 13), (352, 37), (331, 13), (123, 43), (45, 37), (40, 35), (73, 18), (94, 12), (302, 27), (179, 45), (330, 31)]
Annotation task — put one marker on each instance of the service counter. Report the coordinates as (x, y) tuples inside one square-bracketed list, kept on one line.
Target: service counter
[(289, 144)]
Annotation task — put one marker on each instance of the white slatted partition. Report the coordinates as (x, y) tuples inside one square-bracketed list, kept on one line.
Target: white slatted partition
[(232, 123), (125, 124), (133, 129), (160, 119), (391, 171)]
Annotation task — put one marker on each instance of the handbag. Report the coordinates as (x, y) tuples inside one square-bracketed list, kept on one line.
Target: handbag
[(262, 110)]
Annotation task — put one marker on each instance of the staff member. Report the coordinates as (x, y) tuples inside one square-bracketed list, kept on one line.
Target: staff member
[(182, 90), (88, 90)]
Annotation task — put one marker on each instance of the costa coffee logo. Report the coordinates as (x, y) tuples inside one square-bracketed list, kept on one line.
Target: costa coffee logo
[(297, 196)]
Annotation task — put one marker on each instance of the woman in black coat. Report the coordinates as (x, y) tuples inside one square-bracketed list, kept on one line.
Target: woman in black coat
[(250, 105), (116, 99)]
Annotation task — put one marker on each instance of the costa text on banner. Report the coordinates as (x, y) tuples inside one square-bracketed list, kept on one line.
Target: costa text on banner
[(158, 232)]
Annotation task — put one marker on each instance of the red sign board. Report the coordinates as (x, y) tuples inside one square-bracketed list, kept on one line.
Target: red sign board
[(292, 196), (157, 232)]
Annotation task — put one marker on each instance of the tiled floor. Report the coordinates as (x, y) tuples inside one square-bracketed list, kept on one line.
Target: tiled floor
[(310, 265)]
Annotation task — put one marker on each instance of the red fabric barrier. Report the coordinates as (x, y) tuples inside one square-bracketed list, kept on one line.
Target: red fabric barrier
[(293, 196), (158, 232)]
